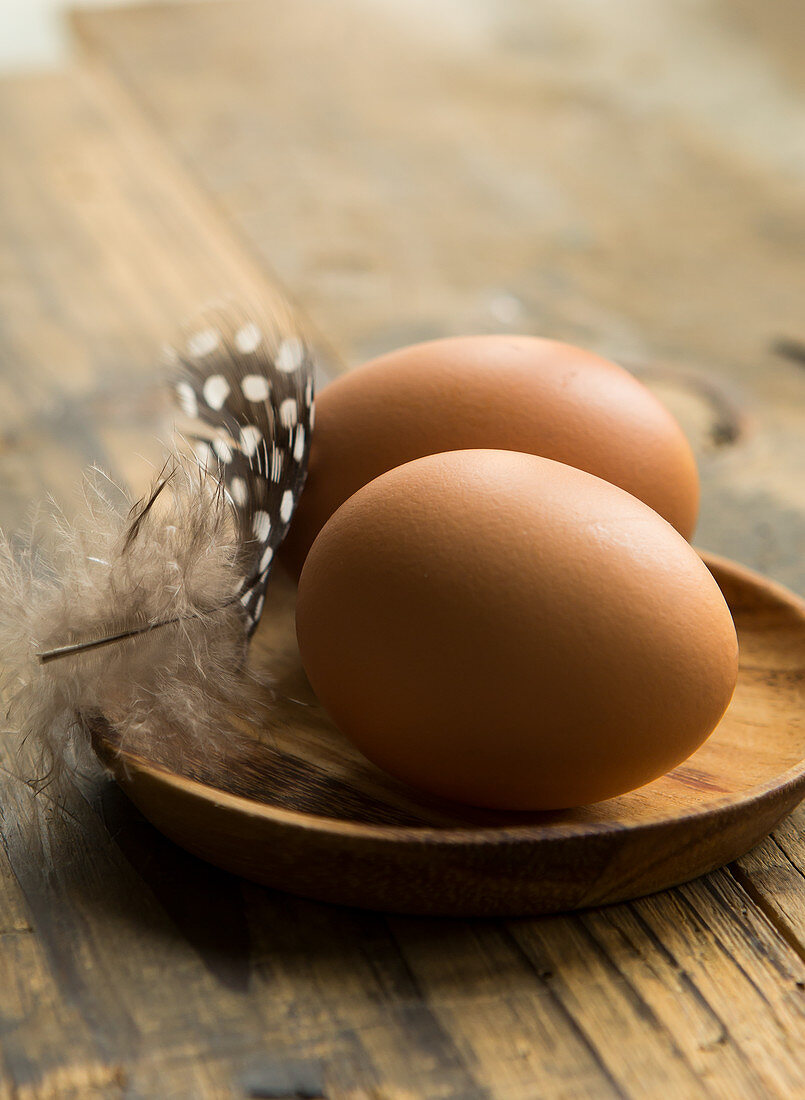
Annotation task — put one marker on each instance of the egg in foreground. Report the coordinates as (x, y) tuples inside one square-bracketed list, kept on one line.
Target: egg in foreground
[(508, 631), (516, 393)]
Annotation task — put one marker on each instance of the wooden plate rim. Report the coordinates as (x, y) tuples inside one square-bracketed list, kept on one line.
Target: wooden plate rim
[(789, 782)]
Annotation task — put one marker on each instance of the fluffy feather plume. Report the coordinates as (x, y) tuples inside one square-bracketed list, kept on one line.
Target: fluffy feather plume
[(138, 614)]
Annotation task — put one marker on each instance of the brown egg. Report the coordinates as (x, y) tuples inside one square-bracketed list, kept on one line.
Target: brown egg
[(515, 393), (507, 631)]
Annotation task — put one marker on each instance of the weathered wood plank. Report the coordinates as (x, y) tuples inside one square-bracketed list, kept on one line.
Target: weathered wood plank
[(628, 971), (774, 876), (93, 991), (45, 1042)]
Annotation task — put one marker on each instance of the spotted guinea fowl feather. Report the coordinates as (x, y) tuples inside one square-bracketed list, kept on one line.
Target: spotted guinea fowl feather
[(247, 385)]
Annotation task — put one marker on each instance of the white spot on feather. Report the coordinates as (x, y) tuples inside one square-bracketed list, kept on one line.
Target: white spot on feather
[(203, 342), (289, 411), (286, 506), (250, 439), (299, 444), (290, 355), (238, 491), (216, 391), (258, 607), (261, 525), (248, 338), (255, 387), (223, 449), (267, 558)]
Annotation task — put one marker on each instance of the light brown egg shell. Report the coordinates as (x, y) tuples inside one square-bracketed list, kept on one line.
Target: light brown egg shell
[(507, 631), (514, 393)]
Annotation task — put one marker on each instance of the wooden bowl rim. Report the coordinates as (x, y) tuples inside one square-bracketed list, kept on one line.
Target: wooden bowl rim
[(791, 781)]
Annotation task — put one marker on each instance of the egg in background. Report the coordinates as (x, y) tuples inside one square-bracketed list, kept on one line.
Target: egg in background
[(517, 393)]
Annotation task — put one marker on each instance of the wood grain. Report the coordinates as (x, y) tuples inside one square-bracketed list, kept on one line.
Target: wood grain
[(126, 966)]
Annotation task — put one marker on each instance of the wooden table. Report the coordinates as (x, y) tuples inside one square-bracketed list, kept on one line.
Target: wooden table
[(627, 176)]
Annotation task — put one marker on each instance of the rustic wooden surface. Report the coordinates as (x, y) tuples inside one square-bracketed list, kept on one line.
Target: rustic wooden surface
[(628, 176)]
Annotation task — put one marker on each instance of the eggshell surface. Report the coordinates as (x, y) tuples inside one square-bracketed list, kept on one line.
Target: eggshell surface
[(504, 630), (514, 393)]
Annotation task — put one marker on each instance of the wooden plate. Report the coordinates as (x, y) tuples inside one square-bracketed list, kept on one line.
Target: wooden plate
[(304, 812)]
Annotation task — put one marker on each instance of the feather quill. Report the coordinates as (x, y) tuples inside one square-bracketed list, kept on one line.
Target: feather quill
[(138, 614)]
